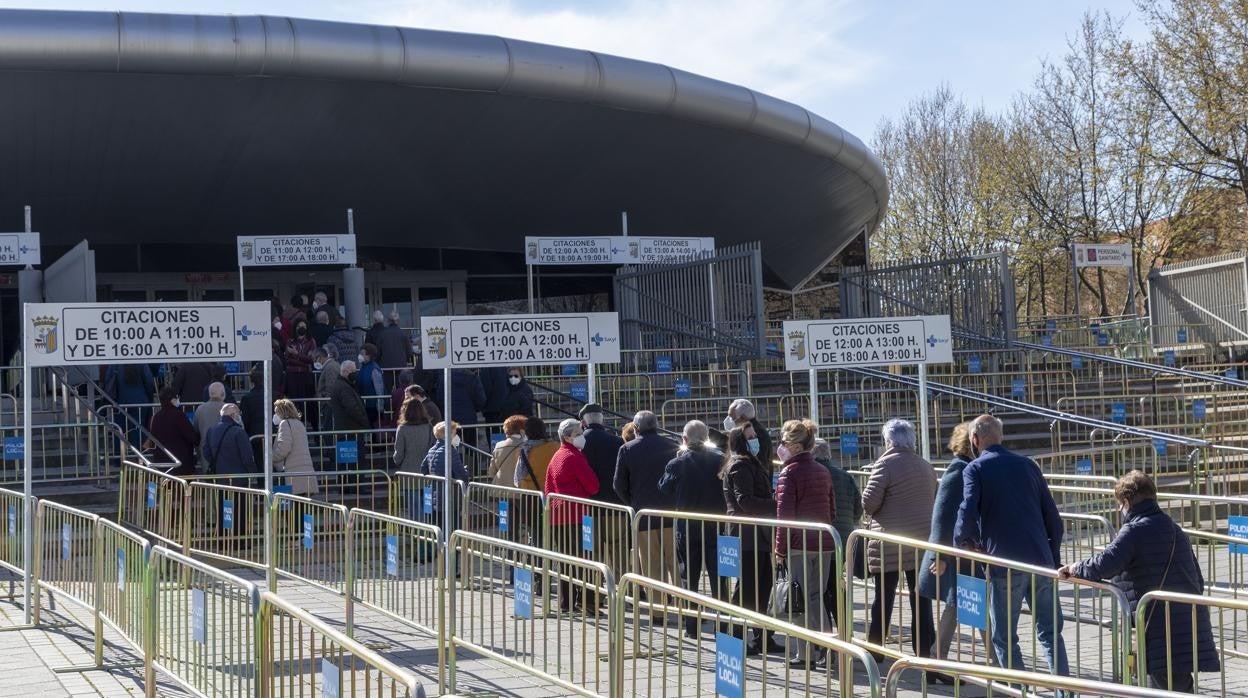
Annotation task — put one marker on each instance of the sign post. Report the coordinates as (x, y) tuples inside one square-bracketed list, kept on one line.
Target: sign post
[(69, 334), (917, 340), (293, 250), (1095, 256)]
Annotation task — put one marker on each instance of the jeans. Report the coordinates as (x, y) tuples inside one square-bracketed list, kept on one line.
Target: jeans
[(1005, 606)]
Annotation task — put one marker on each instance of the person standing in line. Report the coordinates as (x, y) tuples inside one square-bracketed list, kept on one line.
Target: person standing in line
[(848, 514), (569, 474), (638, 468), (742, 412), (413, 437), (435, 464), (328, 372), (394, 350), (467, 396), (226, 447), (321, 329), (506, 453), (345, 401), (601, 450), (344, 340), (531, 467), (519, 394), (191, 379), (1007, 511), (692, 479), (747, 493), (291, 455), (132, 387), (173, 430), (804, 493), (251, 405), (207, 415), (370, 384), (1151, 552), (899, 497), (373, 334)]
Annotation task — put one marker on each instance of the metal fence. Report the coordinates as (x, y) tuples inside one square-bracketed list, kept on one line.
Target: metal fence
[(309, 541), (1206, 296), (226, 522), (1228, 619), (1005, 682), (65, 555), (154, 502)]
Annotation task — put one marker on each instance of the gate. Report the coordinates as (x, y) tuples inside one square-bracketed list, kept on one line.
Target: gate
[(1200, 302), (715, 302), (976, 292)]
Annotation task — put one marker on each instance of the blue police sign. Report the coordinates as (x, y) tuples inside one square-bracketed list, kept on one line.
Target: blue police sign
[(12, 520), (728, 556), (1046, 340), (227, 515), (569, 369), (1018, 388), (392, 555), (347, 452), (975, 364), (151, 495), (67, 536), (663, 364), (504, 515), (427, 500), (972, 602), (14, 448), (1160, 445), (1076, 362), (849, 408), (1102, 339), (729, 665), (309, 526), (523, 589), (1182, 334), (849, 444), (284, 505), (587, 533), (683, 388), (199, 624), (1118, 412), (331, 679), (1237, 526), (1083, 466), (1168, 357), (579, 391), (1198, 408)]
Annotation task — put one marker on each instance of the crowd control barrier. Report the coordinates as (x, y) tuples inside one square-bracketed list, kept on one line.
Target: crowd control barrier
[(75, 452), (598, 531), (300, 655), (1099, 648), (121, 560), (1222, 561), (153, 502), (227, 523), (1006, 682), (12, 509), (394, 567), (509, 513), (202, 627), (65, 555), (310, 541), (1178, 614), (555, 625), (418, 497), (731, 559), (1084, 535), (659, 661)]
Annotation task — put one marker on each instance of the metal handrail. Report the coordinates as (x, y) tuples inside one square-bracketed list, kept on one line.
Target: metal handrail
[(1016, 677)]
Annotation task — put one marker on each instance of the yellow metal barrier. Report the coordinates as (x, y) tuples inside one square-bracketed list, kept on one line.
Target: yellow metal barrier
[(227, 523), (153, 502), (310, 541), (599, 531), (562, 647), (64, 452), (1100, 612), (120, 585), (301, 655), (508, 513), (1230, 638), (658, 661), (394, 567), (1006, 682), (65, 555), (13, 521), (1225, 569), (1084, 535), (418, 497)]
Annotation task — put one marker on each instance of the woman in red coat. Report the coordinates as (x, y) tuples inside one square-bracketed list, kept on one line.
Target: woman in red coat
[(569, 474)]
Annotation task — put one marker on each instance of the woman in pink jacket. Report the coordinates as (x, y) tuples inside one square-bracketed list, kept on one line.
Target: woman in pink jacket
[(569, 474)]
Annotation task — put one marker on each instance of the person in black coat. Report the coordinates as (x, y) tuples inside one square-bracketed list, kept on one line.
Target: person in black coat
[(638, 468), (742, 412), (518, 398), (1149, 553)]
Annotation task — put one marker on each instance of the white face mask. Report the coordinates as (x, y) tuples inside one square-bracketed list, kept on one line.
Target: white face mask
[(276, 420), (514, 380), (318, 365), (729, 424), (363, 359), (238, 419), (177, 402), (277, 324), (455, 442), (579, 441)]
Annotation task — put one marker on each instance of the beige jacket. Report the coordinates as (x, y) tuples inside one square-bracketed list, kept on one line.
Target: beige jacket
[(291, 456), (899, 498)]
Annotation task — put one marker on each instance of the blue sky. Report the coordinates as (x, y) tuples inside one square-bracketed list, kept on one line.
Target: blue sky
[(851, 61)]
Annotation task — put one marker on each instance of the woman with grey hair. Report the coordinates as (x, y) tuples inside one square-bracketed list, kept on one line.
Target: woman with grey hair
[(899, 497), (569, 474)]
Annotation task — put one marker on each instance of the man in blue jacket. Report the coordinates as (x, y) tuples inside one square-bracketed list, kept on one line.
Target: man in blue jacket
[(1008, 512), (638, 468)]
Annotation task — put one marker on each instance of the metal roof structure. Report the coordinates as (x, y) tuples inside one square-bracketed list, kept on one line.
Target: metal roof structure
[(132, 127)]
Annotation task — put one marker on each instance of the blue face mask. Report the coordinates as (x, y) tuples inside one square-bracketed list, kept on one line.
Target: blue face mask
[(752, 446)]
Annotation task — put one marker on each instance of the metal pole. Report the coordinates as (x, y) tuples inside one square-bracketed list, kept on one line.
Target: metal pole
[(923, 428), (28, 514), (241, 294), (529, 269), (1074, 271), (448, 559), (351, 221), (591, 387), (269, 551), (814, 396), (624, 223)]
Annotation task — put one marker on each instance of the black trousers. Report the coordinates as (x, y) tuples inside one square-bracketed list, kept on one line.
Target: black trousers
[(1183, 683), (922, 629)]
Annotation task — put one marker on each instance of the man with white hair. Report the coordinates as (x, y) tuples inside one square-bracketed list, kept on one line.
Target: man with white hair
[(740, 413), (638, 468), (226, 447), (692, 478), (207, 415), (393, 350), (379, 324), (1007, 511), (345, 400)]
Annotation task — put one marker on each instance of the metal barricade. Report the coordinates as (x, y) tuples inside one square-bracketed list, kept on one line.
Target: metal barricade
[(202, 627), (418, 497), (561, 642), (1084, 535), (509, 513), (310, 541), (12, 550), (1100, 640), (1223, 562), (394, 567), (1006, 682), (153, 502), (593, 530), (120, 585), (301, 655), (63, 452), (731, 558), (658, 661), (226, 523), (1229, 624), (369, 489), (65, 555)]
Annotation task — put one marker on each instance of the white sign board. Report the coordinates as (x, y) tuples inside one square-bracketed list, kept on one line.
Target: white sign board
[(19, 249), (293, 250), (520, 340), (1103, 256), (61, 334), (867, 342), (616, 249)]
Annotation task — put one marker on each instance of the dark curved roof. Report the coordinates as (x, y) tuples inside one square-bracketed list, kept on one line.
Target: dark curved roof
[(124, 127)]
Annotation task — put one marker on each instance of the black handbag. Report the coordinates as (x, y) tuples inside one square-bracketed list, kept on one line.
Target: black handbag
[(787, 598)]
